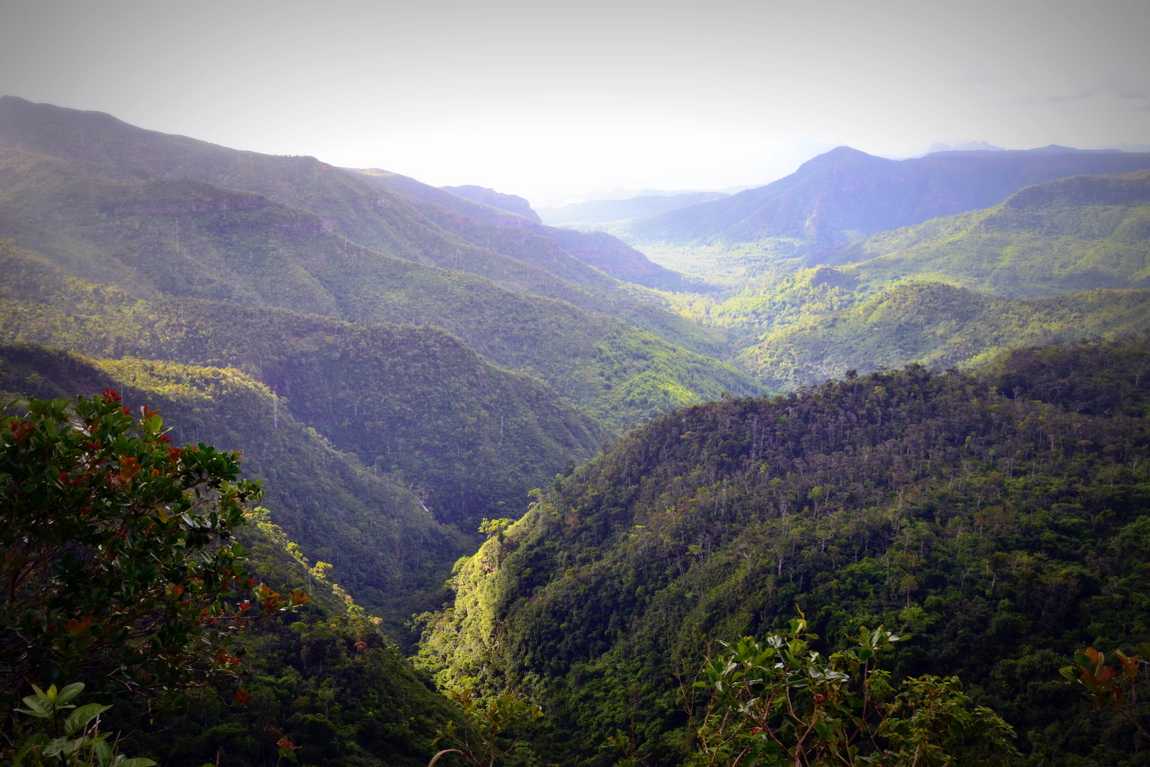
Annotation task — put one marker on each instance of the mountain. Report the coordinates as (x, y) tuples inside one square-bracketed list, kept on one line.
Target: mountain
[(190, 239), (935, 324), (845, 194), (471, 437), (986, 518), (1075, 233), (507, 203), (964, 146), (594, 214), (946, 292), (597, 254), (383, 541), (344, 203)]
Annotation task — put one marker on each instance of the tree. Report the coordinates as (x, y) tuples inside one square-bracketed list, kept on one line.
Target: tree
[(119, 548)]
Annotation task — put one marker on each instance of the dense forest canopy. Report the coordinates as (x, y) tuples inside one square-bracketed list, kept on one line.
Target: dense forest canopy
[(999, 521), (312, 465)]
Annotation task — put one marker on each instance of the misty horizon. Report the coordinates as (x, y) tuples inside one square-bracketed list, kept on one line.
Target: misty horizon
[(557, 103)]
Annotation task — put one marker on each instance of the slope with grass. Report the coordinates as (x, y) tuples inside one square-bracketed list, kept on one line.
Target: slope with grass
[(937, 325)]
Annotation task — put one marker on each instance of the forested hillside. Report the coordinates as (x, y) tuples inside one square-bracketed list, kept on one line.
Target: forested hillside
[(385, 545), (1058, 261), (1072, 234), (172, 234), (470, 437), (178, 624), (410, 368), (999, 520), (359, 207)]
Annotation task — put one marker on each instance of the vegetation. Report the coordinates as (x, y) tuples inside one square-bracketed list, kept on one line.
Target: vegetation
[(403, 366), (119, 547), (779, 702), (936, 325), (1055, 262), (1001, 525), (77, 739), (123, 570), (384, 544), (1072, 234)]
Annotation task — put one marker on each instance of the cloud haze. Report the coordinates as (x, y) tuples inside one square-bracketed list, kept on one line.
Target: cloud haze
[(553, 99)]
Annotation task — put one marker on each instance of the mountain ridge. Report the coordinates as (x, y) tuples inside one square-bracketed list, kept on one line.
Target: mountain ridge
[(845, 193)]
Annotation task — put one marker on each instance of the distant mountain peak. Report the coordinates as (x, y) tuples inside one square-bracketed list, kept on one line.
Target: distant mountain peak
[(841, 156)]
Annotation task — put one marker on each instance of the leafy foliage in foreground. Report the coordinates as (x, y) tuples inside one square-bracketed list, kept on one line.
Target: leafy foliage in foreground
[(124, 572), (384, 544), (67, 734), (780, 703), (1001, 531), (119, 548)]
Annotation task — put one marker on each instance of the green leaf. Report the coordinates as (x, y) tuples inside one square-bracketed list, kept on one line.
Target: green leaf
[(69, 692), (135, 761), (37, 706), (79, 719), (62, 746), (103, 750)]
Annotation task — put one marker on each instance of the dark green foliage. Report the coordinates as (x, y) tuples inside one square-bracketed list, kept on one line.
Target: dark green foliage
[(334, 689), (782, 703), (1103, 379), (1001, 533), (383, 543), (66, 733), (118, 546), (122, 570)]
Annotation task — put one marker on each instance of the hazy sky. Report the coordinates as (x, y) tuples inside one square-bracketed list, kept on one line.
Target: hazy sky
[(551, 100)]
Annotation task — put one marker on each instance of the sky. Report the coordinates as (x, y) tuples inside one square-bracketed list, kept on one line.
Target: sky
[(561, 101)]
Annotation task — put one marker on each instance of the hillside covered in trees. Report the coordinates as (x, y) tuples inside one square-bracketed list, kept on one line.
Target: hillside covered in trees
[(531, 497), (998, 520)]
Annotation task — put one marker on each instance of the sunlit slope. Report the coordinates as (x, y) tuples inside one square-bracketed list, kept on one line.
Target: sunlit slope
[(998, 521), (187, 239), (473, 437)]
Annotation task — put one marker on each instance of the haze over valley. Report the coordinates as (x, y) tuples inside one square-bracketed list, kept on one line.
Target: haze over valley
[(574, 385)]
